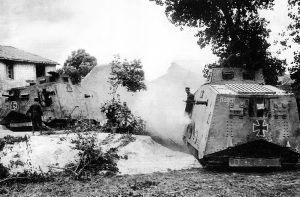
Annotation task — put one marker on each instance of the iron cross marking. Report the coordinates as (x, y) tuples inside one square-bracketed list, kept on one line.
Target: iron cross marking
[(260, 127), (13, 105)]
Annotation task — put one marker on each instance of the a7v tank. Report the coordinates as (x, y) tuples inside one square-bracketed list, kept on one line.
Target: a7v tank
[(62, 102), (237, 121)]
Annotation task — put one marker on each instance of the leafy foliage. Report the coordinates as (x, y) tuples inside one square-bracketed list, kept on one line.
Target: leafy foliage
[(294, 27), (12, 140), (120, 119), (82, 125), (78, 65), (27, 176), (127, 74), (294, 14), (232, 27), (92, 159)]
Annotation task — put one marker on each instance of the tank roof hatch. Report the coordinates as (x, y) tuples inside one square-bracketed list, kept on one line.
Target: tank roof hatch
[(249, 89)]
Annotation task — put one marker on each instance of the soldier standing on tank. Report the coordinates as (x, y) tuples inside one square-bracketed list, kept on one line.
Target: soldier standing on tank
[(35, 112), (189, 102)]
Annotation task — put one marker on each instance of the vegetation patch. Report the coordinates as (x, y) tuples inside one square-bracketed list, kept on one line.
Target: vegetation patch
[(4, 171), (121, 120), (92, 159), (8, 180)]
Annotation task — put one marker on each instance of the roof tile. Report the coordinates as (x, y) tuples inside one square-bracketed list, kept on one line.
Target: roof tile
[(14, 54)]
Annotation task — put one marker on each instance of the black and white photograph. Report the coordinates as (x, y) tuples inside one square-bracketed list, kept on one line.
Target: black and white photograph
[(165, 98)]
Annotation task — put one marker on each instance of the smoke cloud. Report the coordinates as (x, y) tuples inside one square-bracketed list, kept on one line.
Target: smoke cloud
[(162, 108), (162, 105)]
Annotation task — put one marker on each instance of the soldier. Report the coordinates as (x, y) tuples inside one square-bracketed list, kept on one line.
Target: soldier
[(189, 102), (35, 112)]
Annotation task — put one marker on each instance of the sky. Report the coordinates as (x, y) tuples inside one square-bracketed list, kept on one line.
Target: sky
[(134, 29)]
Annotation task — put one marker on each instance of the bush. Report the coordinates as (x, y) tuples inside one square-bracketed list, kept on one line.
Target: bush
[(82, 125), (92, 159), (120, 119)]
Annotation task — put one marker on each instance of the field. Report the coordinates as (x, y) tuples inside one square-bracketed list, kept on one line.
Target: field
[(192, 182), (189, 182)]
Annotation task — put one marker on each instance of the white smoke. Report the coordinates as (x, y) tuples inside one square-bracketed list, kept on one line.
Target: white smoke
[(162, 108), (162, 105)]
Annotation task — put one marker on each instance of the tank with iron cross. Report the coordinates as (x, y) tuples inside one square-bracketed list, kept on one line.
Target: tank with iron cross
[(238, 121)]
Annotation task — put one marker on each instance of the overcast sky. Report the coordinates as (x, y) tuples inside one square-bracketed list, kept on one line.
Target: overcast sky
[(130, 28)]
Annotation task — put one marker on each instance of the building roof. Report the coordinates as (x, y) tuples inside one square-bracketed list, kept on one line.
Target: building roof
[(14, 54)]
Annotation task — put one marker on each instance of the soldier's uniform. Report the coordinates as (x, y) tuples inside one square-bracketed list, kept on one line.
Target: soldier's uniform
[(36, 114), (189, 103)]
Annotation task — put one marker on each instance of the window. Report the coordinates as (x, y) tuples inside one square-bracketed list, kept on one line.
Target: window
[(228, 75), (45, 97), (40, 70), (202, 93), (209, 76), (42, 80), (259, 107), (24, 96), (10, 71)]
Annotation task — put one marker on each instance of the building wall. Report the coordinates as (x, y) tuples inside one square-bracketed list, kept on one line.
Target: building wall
[(23, 72), (49, 68), (2, 71)]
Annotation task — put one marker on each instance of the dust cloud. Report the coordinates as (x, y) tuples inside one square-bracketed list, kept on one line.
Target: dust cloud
[(162, 105), (162, 108)]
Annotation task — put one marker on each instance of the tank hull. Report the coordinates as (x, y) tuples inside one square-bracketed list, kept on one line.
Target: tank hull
[(243, 124), (259, 153), (61, 102)]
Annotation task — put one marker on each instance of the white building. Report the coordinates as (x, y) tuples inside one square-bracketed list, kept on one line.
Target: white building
[(18, 66)]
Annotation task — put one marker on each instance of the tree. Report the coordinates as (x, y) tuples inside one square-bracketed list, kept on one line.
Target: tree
[(127, 74), (294, 28), (78, 65), (119, 117), (233, 28)]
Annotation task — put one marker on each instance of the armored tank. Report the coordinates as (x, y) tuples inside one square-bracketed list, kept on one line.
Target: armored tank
[(237, 121), (61, 101)]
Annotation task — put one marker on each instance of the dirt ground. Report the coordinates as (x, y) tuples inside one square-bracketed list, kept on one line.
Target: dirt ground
[(192, 182)]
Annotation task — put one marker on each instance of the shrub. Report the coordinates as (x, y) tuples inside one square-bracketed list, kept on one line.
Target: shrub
[(120, 119), (92, 159)]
